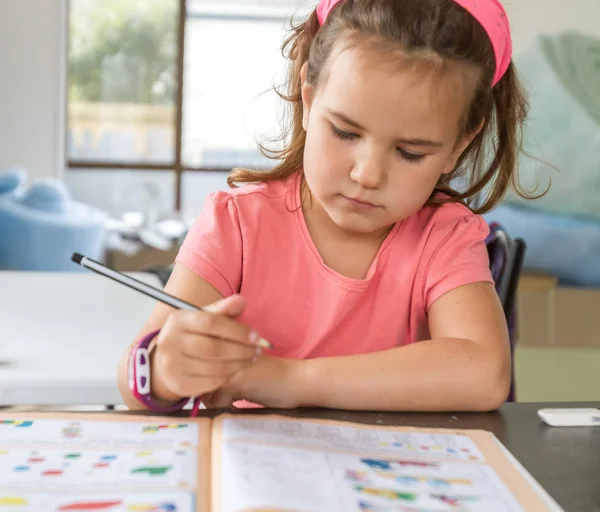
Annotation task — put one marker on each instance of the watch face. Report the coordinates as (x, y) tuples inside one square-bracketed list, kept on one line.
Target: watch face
[(142, 371), (139, 368)]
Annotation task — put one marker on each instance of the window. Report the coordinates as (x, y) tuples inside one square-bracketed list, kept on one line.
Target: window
[(126, 111)]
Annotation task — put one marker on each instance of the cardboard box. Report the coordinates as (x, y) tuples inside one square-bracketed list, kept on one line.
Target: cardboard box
[(557, 355), (550, 315)]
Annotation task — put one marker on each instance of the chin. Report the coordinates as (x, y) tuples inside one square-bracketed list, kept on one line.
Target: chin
[(357, 224)]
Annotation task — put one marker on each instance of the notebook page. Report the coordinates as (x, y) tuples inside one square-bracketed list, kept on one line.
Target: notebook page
[(262, 463), (113, 463)]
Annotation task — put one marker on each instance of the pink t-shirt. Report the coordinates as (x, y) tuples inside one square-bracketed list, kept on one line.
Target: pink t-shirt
[(254, 240)]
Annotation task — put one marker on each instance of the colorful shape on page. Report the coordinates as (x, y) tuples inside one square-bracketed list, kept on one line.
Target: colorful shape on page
[(453, 501), (53, 472), (152, 470), (151, 429), (17, 423), (13, 501), (377, 464), (72, 431), (356, 476), (90, 505), (386, 493), (161, 507)]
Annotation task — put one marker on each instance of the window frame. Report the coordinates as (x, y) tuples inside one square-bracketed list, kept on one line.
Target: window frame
[(176, 166)]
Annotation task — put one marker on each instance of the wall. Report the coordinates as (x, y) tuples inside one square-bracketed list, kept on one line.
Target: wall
[(532, 17), (32, 69)]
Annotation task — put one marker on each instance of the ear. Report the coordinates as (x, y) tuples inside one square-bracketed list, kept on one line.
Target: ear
[(308, 93), (462, 144)]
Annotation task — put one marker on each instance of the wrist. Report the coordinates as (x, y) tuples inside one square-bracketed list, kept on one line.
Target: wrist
[(160, 391), (141, 378), (288, 381), (301, 374), (270, 381)]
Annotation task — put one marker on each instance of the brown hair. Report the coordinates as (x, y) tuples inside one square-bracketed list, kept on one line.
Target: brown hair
[(422, 29)]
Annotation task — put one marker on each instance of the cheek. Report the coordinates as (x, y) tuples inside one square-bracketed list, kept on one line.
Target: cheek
[(314, 164), (324, 155), (414, 184), (318, 139)]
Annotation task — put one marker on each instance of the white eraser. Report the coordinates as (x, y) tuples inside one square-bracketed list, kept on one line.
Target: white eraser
[(570, 417)]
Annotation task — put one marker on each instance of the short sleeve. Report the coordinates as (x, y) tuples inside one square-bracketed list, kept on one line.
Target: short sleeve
[(213, 246), (459, 256)]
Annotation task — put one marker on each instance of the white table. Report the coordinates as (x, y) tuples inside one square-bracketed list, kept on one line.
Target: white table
[(63, 334)]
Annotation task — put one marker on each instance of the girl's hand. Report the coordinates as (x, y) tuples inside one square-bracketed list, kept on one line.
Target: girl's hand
[(270, 382), (197, 352)]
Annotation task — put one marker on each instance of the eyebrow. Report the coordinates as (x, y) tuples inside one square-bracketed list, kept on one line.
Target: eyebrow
[(410, 142)]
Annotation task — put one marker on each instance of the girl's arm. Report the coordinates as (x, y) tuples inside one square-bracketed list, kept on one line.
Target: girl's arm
[(186, 285), (465, 366)]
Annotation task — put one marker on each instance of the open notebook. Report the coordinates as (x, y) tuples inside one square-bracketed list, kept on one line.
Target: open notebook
[(250, 463)]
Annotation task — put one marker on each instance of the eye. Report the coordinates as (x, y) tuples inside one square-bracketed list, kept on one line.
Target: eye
[(410, 157), (341, 134)]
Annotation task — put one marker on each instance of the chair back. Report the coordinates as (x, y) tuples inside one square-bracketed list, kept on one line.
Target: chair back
[(506, 262)]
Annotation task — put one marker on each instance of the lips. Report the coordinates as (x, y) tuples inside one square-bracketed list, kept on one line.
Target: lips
[(361, 201)]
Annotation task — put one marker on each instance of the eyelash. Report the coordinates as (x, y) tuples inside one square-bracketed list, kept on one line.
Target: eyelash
[(343, 135)]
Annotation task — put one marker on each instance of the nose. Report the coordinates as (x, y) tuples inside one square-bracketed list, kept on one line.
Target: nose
[(369, 170)]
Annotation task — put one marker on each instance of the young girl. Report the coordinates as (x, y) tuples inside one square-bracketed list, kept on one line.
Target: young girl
[(355, 257)]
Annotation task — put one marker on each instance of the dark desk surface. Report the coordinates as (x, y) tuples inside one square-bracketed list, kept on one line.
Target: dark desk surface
[(565, 461)]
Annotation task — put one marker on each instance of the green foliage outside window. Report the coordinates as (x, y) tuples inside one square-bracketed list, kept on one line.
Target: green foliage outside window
[(123, 51)]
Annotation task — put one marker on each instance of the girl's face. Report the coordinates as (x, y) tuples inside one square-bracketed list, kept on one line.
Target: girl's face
[(378, 140)]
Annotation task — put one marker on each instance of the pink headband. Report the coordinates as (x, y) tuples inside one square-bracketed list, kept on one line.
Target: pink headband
[(489, 13)]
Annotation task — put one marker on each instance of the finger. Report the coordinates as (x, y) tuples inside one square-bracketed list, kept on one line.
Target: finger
[(215, 369), (184, 385), (231, 307), (194, 387), (217, 326), (180, 364), (206, 348), (187, 379)]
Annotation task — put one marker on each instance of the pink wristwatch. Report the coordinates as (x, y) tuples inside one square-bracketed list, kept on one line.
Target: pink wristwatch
[(139, 378)]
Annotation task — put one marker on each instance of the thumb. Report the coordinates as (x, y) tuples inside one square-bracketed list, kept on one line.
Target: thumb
[(231, 306)]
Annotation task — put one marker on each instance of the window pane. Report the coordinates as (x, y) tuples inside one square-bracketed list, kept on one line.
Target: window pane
[(196, 186), (119, 191), (122, 80), (232, 61)]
